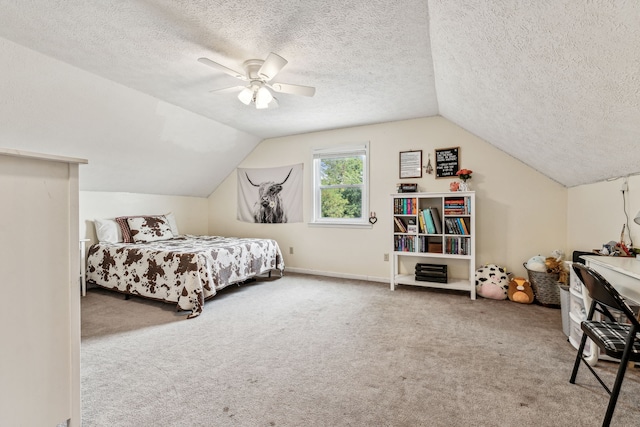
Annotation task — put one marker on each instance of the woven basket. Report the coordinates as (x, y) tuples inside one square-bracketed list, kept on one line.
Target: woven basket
[(545, 287)]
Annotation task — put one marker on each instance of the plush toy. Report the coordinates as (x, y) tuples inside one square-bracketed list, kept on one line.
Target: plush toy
[(492, 282), (520, 291), (536, 263), (557, 266)]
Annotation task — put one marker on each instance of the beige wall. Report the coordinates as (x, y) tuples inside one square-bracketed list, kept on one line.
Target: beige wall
[(520, 213), (595, 213), (190, 212)]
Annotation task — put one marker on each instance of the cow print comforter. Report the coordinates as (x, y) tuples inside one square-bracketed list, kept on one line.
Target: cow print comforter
[(185, 270)]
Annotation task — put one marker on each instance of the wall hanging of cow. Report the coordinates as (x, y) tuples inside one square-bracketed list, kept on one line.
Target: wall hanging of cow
[(271, 195)]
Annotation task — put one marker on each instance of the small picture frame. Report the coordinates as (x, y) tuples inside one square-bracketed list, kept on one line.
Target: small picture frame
[(447, 162), (411, 164)]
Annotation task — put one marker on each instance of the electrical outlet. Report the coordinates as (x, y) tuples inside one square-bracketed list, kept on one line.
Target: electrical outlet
[(625, 185), (386, 257), (290, 250)]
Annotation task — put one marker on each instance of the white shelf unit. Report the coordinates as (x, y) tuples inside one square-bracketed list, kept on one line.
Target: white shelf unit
[(577, 314), (453, 239)]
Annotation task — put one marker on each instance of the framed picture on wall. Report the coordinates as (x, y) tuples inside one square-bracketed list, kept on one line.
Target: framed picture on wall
[(447, 162), (411, 164)]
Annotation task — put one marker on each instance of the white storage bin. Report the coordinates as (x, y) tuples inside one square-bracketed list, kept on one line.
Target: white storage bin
[(574, 283), (577, 306), (575, 334)]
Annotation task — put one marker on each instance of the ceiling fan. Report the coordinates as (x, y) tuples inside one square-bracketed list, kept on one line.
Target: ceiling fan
[(258, 74)]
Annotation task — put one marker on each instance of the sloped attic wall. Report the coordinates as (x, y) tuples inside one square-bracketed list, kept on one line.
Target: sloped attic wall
[(134, 142), (520, 212), (596, 214)]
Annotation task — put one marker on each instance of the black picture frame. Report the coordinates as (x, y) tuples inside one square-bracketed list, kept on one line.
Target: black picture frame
[(447, 162), (411, 164)]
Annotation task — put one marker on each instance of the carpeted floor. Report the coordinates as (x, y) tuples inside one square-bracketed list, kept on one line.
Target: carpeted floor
[(312, 351)]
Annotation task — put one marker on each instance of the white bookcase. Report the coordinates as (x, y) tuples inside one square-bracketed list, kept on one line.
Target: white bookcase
[(451, 239)]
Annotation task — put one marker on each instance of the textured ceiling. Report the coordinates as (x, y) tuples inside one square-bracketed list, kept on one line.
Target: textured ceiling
[(554, 83)]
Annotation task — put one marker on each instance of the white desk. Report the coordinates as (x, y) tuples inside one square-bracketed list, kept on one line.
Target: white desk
[(623, 273)]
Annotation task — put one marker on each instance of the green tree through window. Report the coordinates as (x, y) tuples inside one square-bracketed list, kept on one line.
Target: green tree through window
[(340, 185)]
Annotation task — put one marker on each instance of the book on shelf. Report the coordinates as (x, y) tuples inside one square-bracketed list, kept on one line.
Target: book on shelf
[(463, 225), (457, 206), (412, 227), (400, 225), (403, 244), (431, 229), (457, 226), (457, 246), (437, 221), (406, 206), (422, 224)]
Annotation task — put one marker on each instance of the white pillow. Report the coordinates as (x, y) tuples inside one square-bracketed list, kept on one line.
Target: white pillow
[(108, 230), (149, 228), (171, 219)]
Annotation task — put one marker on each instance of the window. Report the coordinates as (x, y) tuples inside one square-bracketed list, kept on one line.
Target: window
[(341, 186)]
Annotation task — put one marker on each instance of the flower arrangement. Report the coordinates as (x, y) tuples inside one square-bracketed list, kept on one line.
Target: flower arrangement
[(464, 174)]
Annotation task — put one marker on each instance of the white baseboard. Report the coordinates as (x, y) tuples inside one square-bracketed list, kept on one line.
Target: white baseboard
[(338, 275)]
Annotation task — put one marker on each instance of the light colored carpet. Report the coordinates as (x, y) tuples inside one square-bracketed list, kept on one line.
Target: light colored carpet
[(312, 351)]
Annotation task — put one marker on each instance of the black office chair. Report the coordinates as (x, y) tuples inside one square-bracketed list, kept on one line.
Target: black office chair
[(616, 340)]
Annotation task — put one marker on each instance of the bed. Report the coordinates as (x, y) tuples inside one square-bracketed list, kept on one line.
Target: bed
[(185, 270)]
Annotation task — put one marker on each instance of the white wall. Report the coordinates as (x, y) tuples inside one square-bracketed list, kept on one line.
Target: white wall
[(190, 212), (134, 142), (595, 214), (520, 213)]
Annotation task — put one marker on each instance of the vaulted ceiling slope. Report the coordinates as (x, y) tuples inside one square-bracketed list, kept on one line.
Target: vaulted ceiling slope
[(554, 83)]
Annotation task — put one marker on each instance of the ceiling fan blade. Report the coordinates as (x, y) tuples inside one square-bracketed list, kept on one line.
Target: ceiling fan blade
[(222, 68), (228, 89), (271, 66), (293, 89)]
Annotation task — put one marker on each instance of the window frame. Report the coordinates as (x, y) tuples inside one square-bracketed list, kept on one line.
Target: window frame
[(361, 149)]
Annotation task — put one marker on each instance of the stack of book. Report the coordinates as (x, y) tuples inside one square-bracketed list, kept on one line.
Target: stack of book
[(456, 206), (431, 273)]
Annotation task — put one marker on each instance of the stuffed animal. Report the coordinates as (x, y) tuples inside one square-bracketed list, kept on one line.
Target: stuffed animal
[(536, 263), (555, 266), (520, 291), (492, 282)]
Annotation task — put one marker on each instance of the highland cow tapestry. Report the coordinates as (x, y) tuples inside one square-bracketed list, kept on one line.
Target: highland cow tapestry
[(271, 195)]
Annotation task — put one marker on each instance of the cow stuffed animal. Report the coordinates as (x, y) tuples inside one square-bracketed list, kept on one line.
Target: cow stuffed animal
[(492, 282)]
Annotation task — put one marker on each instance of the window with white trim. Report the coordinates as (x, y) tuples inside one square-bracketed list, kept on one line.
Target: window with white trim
[(341, 185)]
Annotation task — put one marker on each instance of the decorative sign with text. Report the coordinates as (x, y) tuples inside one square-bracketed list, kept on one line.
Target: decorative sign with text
[(447, 162)]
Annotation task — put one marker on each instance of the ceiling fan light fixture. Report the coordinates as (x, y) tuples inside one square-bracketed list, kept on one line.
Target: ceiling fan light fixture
[(246, 96), (263, 96), (259, 73)]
